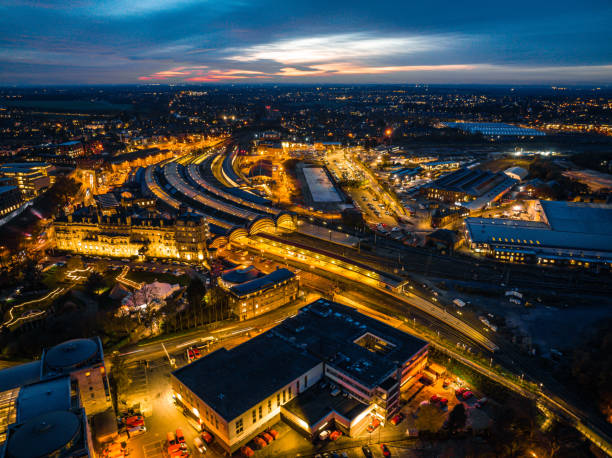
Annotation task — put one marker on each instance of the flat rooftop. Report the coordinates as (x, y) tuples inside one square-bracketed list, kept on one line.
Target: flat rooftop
[(578, 217), (335, 333), (569, 227), (320, 186), (42, 397), (316, 403), (232, 381)]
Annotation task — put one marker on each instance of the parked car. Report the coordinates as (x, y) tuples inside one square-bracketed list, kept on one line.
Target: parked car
[(136, 430), (198, 443), (180, 437), (335, 435), (323, 435), (259, 442), (372, 426), (267, 437), (366, 451), (385, 450), (397, 419), (273, 433), (207, 437)]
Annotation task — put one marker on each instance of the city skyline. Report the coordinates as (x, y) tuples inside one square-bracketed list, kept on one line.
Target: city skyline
[(185, 41)]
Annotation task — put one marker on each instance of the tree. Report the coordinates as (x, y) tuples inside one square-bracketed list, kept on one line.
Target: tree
[(430, 419), (94, 282), (457, 418)]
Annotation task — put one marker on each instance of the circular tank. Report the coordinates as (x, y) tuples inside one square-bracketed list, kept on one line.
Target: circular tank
[(70, 354), (44, 434)]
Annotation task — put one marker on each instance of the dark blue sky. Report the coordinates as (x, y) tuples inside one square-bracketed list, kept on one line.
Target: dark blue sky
[(435, 41)]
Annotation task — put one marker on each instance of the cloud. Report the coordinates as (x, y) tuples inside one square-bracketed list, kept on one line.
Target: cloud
[(328, 48)]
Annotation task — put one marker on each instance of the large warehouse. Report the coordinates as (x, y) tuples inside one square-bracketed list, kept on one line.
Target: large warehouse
[(472, 188), (567, 233), (238, 393)]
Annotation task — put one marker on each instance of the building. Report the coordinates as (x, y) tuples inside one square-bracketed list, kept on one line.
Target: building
[(83, 361), (567, 233), (10, 199), (440, 165), (517, 173), (88, 232), (45, 404), (31, 178), (472, 188), (494, 129), (72, 149), (139, 158), (238, 393), (262, 294)]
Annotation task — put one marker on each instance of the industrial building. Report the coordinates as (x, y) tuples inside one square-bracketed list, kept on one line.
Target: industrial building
[(87, 231), (45, 404), (328, 366), (562, 233), (471, 188), (517, 173)]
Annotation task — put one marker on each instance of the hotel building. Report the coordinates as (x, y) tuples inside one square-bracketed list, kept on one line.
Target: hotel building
[(90, 233), (252, 293)]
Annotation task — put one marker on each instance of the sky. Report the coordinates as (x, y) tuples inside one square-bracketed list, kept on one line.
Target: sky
[(307, 41)]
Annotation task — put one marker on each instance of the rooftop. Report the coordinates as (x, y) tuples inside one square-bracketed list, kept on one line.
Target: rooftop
[(42, 397), (273, 278), (71, 355), (332, 331), (232, 381), (47, 434), (570, 226), (241, 274), (316, 403), (20, 375)]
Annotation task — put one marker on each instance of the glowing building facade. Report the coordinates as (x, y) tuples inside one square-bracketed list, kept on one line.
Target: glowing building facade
[(87, 233)]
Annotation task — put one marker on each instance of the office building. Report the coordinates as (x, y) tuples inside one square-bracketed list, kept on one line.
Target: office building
[(10, 199), (562, 233), (238, 393), (31, 178)]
